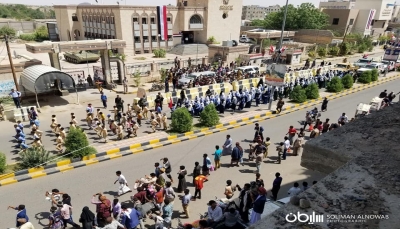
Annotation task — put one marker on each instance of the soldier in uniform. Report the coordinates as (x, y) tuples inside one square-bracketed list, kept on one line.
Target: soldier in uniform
[(154, 124), (60, 143), (164, 121)]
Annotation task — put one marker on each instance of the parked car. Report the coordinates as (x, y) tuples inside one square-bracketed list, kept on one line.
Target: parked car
[(344, 67), (248, 69), (184, 81), (247, 40), (362, 62), (379, 66), (390, 65)]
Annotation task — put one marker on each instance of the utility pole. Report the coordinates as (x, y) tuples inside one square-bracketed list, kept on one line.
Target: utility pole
[(345, 33), (11, 63)]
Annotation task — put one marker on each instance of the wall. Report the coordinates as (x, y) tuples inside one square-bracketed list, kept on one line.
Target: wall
[(24, 26), (344, 18), (383, 8), (313, 36), (336, 5)]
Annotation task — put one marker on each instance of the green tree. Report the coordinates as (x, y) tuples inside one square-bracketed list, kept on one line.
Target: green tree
[(33, 157), (305, 16), (258, 22), (374, 75), (347, 81), (334, 51), (5, 30), (298, 95), (137, 78), (335, 85), (209, 116), (41, 33), (182, 120), (3, 163), (22, 12), (322, 51), (312, 91), (344, 48), (159, 53), (365, 77), (77, 144)]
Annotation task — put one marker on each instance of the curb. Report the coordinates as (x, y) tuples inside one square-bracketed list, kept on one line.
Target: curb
[(66, 165)]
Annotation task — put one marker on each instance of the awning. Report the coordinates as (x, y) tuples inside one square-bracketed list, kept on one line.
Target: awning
[(42, 78)]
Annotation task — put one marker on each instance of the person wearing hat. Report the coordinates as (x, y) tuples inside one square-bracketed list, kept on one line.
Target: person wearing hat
[(258, 205), (161, 178), (21, 214)]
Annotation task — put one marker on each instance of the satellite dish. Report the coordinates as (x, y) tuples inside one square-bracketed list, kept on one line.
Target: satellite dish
[(84, 3)]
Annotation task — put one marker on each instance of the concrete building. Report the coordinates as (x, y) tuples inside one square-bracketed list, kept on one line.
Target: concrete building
[(337, 4), (376, 22), (191, 21), (341, 20), (254, 12), (396, 14)]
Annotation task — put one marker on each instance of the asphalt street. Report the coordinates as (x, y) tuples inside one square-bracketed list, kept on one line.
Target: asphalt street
[(63, 116), (82, 183)]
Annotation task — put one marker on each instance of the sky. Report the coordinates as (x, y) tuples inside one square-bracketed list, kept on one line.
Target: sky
[(151, 2)]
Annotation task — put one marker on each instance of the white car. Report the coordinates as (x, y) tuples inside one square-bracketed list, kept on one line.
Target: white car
[(248, 69), (379, 66)]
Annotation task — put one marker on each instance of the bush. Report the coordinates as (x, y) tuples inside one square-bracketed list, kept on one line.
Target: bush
[(347, 81), (335, 85), (365, 77), (209, 116), (137, 78), (6, 30), (312, 91), (159, 53), (77, 144), (41, 33), (182, 120), (298, 95), (322, 51), (3, 163), (334, 51), (33, 157), (374, 75), (344, 48), (362, 48), (27, 37), (312, 54)]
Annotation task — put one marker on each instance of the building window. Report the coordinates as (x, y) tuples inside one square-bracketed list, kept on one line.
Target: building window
[(351, 22), (335, 21), (137, 39), (195, 19), (154, 38), (112, 20), (170, 38), (145, 39), (168, 20), (383, 25), (135, 19), (152, 20), (144, 20), (74, 17)]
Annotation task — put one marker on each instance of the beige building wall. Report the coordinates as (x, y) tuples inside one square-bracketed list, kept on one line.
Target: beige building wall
[(337, 4), (340, 20)]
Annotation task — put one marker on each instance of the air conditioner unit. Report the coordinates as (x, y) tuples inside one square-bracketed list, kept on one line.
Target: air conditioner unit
[(227, 43)]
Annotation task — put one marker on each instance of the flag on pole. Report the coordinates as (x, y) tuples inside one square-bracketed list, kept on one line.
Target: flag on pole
[(162, 22)]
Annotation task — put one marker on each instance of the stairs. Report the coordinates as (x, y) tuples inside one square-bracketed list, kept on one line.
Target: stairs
[(189, 49)]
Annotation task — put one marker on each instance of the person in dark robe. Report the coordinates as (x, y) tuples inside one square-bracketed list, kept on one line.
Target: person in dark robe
[(324, 106), (182, 180), (90, 81), (87, 218)]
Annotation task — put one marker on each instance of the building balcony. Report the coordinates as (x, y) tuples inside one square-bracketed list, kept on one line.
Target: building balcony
[(162, 43), (170, 32), (146, 44), (154, 44), (153, 26), (146, 33), (195, 26), (136, 26), (136, 33), (169, 26), (145, 27)]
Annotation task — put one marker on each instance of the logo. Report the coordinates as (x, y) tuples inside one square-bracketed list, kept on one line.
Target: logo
[(226, 2), (304, 218)]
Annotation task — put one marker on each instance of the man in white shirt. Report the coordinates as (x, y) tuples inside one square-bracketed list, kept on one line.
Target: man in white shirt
[(293, 191), (215, 214), (123, 184), (54, 196), (344, 118), (286, 146)]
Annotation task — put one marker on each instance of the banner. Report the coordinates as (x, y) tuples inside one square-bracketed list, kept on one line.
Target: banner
[(370, 18), (98, 73), (162, 22), (275, 74)]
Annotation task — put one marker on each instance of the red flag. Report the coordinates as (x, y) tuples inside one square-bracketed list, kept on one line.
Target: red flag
[(170, 103)]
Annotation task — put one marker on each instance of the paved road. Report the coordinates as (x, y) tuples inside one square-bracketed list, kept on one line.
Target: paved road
[(82, 183), (63, 116)]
